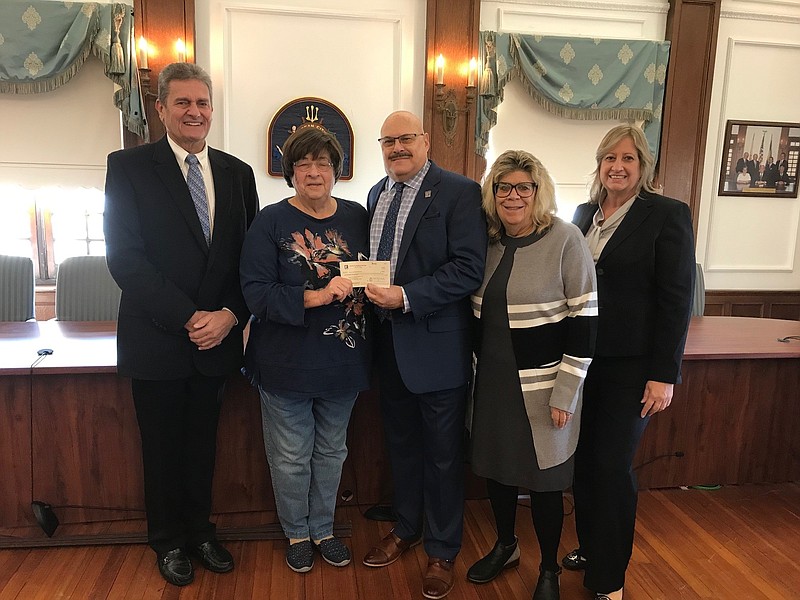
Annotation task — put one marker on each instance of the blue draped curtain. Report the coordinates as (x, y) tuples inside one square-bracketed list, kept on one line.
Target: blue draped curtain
[(44, 44), (576, 78)]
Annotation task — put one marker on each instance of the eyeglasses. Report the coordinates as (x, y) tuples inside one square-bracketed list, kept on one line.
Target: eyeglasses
[(524, 189), (305, 165), (406, 139)]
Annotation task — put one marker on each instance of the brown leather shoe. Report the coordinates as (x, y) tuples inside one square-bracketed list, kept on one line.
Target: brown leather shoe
[(438, 579), (388, 550)]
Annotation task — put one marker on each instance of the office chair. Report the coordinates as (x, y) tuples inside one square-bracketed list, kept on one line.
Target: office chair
[(16, 288), (85, 290), (699, 300)]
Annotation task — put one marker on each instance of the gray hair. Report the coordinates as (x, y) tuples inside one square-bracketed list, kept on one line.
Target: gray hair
[(181, 71)]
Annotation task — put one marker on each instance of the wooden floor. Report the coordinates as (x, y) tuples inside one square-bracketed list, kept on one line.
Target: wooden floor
[(737, 543)]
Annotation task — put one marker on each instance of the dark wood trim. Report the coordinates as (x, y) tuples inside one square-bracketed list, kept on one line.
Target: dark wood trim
[(745, 303), (692, 27), (161, 22), (452, 29)]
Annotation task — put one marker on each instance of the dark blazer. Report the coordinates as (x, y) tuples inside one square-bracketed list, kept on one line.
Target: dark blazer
[(158, 256), (439, 264), (645, 281)]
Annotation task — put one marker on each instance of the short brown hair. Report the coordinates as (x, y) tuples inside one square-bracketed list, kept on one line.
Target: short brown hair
[(314, 141)]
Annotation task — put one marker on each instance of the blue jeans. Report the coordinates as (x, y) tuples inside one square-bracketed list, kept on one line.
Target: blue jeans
[(305, 440)]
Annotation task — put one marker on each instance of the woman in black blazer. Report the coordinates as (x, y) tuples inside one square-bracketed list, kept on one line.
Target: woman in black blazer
[(643, 247)]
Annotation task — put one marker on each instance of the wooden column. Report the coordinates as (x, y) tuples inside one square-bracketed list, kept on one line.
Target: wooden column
[(692, 27), (161, 22), (452, 31)]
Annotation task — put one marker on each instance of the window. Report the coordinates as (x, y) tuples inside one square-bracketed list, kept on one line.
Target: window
[(50, 224)]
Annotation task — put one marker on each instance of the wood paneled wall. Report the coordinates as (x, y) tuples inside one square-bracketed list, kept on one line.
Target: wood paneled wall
[(452, 30), (692, 27), (738, 303), (161, 22)]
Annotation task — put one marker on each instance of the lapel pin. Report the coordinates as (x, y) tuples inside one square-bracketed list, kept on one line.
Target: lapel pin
[(427, 193)]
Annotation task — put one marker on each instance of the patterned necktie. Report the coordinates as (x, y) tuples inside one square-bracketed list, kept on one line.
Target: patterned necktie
[(386, 242), (198, 191), (390, 224)]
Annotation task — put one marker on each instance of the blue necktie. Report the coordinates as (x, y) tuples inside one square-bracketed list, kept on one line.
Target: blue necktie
[(386, 242), (198, 191)]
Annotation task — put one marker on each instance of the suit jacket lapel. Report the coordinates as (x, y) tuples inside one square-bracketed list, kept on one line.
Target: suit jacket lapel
[(223, 194), (641, 209), (583, 219), (166, 166), (425, 196), (372, 198)]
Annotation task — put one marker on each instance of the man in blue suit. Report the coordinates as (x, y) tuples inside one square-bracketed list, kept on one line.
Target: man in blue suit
[(428, 223)]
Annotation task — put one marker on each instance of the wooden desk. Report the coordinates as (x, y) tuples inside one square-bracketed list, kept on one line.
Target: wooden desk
[(736, 416), (68, 433), (69, 437)]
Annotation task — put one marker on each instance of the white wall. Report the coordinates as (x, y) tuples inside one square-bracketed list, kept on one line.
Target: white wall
[(367, 58), (61, 137), (742, 243), (751, 243), (566, 147)]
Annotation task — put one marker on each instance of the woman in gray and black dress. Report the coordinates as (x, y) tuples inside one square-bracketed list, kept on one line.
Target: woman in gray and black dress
[(536, 311)]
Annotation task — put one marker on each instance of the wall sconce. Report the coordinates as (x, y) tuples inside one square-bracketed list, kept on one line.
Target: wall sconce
[(446, 98), (180, 50), (142, 55)]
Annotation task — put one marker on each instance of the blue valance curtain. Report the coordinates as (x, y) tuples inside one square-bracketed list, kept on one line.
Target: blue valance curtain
[(576, 78), (44, 44)]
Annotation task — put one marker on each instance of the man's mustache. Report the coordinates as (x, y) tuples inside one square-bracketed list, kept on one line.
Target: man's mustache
[(395, 155)]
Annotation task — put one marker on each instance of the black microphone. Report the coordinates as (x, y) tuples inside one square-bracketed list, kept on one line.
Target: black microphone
[(44, 352)]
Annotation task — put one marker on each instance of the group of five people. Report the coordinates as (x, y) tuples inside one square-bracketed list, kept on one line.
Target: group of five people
[(576, 333)]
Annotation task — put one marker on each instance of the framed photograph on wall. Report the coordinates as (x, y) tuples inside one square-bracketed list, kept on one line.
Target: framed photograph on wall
[(760, 158)]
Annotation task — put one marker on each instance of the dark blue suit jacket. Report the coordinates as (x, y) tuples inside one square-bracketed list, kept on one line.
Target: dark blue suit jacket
[(158, 256), (440, 263), (645, 281)]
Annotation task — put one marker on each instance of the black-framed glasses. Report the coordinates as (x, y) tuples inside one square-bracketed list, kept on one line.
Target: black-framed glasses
[(406, 139), (524, 189), (323, 164)]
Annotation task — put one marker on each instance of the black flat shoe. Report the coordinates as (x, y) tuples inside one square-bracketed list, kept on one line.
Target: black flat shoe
[(574, 561), (213, 556), (175, 567), (547, 586), (501, 557)]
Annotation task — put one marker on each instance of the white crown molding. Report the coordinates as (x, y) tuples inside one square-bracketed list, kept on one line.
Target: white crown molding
[(753, 16), (645, 7)]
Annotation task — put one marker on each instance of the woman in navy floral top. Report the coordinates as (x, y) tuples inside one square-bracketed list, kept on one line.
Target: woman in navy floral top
[(308, 349)]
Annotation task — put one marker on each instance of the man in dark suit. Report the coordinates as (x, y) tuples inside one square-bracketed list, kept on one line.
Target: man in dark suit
[(784, 162), (742, 162), (428, 223), (175, 217)]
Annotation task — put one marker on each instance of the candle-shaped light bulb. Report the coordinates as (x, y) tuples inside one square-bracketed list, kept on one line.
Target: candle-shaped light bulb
[(142, 55), (180, 50), (473, 72), (440, 69)]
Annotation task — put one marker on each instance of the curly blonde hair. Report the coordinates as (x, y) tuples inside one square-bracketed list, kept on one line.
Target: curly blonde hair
[(544, 206)]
